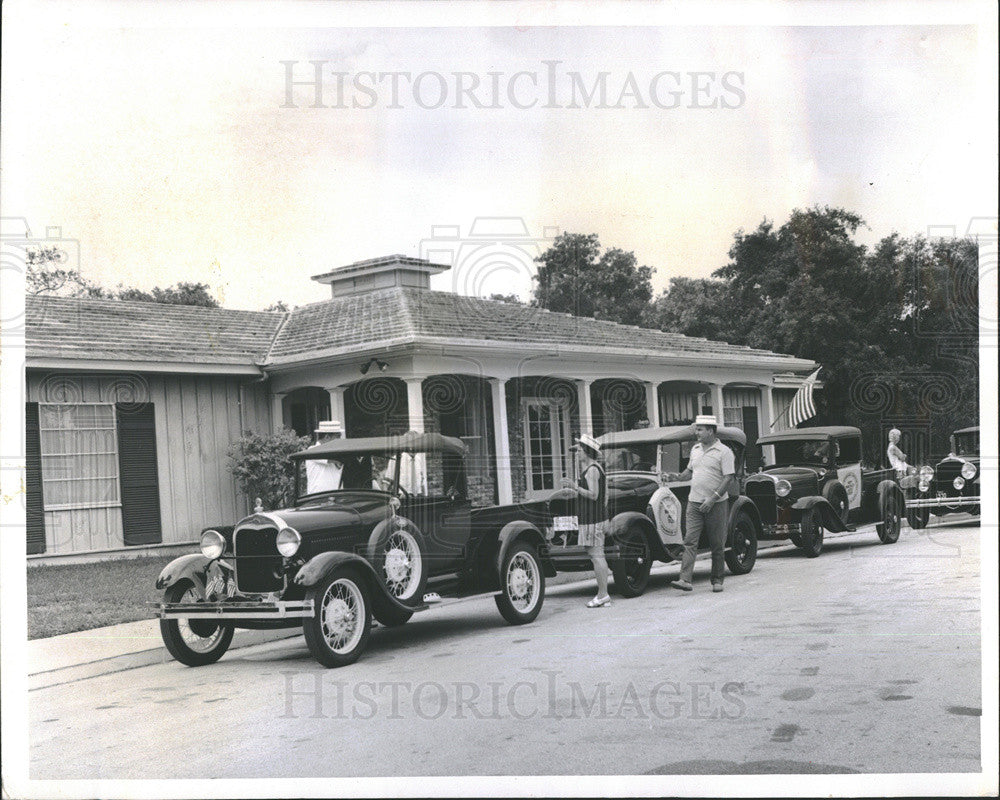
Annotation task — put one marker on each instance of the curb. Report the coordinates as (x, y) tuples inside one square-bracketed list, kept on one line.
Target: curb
[(45, 679)]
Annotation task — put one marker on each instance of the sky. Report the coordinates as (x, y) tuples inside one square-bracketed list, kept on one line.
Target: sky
[(166, 146)]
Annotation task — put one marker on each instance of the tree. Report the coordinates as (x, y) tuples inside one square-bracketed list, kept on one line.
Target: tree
[(46, 273), (262, 467), (280, 305), (692, 306), (576, 278), (506, 298), (180, 294)]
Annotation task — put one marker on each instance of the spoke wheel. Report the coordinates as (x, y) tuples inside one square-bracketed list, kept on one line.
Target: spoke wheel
[(338, 631), (836, 494), (811, 537), (631, 568), (742, 553), (398, 558), (195, 642), (522, 585)]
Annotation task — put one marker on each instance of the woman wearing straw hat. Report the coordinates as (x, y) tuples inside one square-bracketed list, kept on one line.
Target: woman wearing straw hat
[(592, 511)]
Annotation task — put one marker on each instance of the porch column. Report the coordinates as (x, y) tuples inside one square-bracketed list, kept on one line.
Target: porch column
[(583, 401), (652, 405), (766, 409), (501, 440), (277, 415), (337, 413), (415, 403), (717, 402)]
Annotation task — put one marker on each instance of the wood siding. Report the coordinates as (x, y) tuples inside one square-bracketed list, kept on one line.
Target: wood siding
[(196, 418)]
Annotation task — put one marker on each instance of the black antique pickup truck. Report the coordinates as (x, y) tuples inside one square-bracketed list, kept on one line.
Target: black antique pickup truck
[(393, 535)]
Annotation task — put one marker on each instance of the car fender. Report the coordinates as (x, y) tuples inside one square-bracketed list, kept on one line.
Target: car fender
[(620, 523), (192, 567), (520, 529), (887, 487), (827, 514), (320, 566), (742, 505)]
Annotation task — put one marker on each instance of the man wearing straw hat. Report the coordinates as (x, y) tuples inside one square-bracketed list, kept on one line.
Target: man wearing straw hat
[(712, 472), (324, 475)]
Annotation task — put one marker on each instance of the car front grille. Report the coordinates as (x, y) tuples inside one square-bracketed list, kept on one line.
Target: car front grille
[(258, 563), (763, 496)]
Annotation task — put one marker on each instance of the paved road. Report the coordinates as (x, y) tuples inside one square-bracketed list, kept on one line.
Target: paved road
[(866, 659)]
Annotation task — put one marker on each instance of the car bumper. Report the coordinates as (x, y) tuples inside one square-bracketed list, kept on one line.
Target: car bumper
[(942, 502), (280, 609)]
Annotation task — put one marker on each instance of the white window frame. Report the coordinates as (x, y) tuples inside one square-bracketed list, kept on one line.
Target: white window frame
[(48, 481), (560, 439)]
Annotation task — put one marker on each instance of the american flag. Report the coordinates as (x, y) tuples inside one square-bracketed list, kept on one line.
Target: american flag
[(802, 407)]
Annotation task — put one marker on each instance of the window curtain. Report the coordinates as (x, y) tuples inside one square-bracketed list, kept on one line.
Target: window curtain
[(79, 447)]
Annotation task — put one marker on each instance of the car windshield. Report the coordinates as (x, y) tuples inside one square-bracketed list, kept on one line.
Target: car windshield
[(649, 457), (810, 451), (433, 474), (967, 444)]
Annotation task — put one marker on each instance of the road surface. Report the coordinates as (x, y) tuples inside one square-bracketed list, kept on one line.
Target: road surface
[(866, 659)]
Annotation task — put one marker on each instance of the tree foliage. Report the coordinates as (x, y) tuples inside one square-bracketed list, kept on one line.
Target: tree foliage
[(262, 467), (894, 327), (180, 294), (576, 278)]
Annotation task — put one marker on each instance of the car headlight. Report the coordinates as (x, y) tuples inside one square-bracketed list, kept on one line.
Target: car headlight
[(288, 542), (968, 471), (782, 488), (213, 544), (959, 482), (924, 485), (926, 473)]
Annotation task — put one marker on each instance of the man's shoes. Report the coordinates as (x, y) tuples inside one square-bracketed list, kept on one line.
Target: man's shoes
[(716, 587), (684, 586), (598, 602)]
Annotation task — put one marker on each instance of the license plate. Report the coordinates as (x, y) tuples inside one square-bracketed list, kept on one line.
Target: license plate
[(564, 523), (941, 495)]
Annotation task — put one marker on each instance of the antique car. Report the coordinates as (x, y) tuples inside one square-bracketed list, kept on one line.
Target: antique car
[(949, 487), (647, 516), (815, 482), (394, 536)]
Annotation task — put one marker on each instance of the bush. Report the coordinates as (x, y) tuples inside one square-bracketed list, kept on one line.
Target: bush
[(262, 467)]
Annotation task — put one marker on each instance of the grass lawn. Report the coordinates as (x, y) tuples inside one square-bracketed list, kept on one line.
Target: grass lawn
[(78, 597)]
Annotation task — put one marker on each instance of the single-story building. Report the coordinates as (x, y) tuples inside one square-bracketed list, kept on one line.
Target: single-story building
[(132, 407)]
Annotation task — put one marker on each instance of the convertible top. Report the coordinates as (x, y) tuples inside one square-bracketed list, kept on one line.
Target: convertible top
[(674, 433), (412, 442), (804, 434)]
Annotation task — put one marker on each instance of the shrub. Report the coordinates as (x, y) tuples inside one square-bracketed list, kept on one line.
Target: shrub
[(262, 467)]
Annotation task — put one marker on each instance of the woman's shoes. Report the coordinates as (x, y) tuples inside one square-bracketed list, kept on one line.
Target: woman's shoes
[(597, 602)]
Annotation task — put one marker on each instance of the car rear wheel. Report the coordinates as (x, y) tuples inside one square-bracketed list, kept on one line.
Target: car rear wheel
[(341, 625), (195, 642), (917, 517), (811, 537), (742, 552), (888, 528), (522, 585), (631, 568)]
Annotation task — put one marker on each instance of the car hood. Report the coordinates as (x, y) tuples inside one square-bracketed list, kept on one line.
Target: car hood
[(798, 477), (343, 510)]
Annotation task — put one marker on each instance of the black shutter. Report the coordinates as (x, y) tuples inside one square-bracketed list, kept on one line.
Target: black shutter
[(137, 470), (33, 504)]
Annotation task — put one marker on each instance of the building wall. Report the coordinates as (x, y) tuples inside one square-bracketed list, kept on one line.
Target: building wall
[(196, 419)]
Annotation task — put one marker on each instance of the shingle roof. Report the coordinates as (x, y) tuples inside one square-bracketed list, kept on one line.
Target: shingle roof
[(59, 327), (396, 314), (125, 330)]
